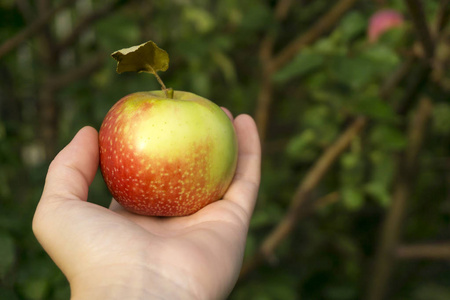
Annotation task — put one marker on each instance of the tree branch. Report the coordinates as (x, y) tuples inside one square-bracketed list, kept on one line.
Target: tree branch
[(420, 24), (443, 15), (418, 79), (317, 30), (282, 9), (31, 30), (49, 108), (265, 55), (263, 106), (86, 22), (391, 228), (397, 76), (25, 9), (424, 71), (422, 74), (273, 64), (326, 200), (302, 195), (425, 251), (61, 80)]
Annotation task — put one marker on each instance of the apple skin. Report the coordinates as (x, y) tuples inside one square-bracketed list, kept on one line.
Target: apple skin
[(167, 157), (382, 21)]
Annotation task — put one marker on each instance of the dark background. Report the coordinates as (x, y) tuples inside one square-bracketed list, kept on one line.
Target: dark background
[(355, 194)]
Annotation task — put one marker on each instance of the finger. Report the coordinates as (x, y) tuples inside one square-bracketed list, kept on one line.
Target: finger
[(73, 169), (244, 188), (229, 114)]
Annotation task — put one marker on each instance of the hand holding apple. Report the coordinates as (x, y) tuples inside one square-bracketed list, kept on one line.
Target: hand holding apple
[(141, 257)]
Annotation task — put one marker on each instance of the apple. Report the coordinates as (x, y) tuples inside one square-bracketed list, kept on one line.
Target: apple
[(383, 21), (164, 156)]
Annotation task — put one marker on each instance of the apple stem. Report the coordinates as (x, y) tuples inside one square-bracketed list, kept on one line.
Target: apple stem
[(168, 92)]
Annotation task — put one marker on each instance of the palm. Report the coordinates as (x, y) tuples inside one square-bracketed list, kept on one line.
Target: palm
[(195, 246)]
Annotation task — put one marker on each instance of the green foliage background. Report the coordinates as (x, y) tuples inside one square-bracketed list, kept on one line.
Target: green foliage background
[(214, 46)]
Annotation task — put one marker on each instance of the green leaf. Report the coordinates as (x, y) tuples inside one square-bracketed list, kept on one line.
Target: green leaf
[(202, 20), (301, 146), (301, 141), (7, 253), (146, 57), (375, 108), (353, 24), (353, 198), (37, 277), (62, 291), (431, 291), (338, 292), (383, 58), (35, 288), (7, 294), (441, 117), (201, 84), (330, 46), (382, 166), (225, 64), (379, 192), (266, 217), (395, 37), (355, 72), (7, 4), (352, 168), (388, 138), (302, 64), (276, 286), (350, 160)]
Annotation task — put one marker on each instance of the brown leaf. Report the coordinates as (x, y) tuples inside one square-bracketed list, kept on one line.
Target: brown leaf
[(147, 57)]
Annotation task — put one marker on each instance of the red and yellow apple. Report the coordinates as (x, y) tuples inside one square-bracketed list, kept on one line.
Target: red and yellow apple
[(167, 157)]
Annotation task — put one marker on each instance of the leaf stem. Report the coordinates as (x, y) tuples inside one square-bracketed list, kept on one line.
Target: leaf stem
[(169, 94)]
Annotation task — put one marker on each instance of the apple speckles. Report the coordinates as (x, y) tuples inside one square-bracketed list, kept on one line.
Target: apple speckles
[(159, 184)]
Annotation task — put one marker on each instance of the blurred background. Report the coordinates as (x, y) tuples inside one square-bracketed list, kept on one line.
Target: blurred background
[(351, 98)]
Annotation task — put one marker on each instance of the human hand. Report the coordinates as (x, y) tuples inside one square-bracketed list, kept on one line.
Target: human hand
[(114, 254)]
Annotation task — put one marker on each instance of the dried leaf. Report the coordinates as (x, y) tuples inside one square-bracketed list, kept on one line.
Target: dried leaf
[(147, 57)]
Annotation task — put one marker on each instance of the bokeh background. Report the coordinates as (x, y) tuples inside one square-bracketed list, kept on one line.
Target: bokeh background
[(355, 129)]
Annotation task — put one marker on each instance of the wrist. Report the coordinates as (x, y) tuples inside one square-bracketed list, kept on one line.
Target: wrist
[(133, 284)]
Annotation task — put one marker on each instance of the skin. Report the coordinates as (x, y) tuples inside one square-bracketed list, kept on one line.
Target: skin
[(114, 254), (167, 157)]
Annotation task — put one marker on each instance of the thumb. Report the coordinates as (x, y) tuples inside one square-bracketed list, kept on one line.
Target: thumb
[(73, 169), (67, 182)]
